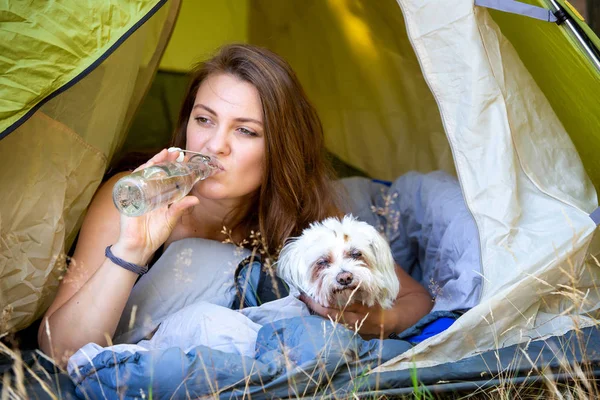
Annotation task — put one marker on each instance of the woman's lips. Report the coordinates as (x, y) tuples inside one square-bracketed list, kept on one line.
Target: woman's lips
[(216, 164)]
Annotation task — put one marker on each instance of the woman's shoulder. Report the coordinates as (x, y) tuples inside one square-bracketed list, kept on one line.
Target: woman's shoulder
[(104, 193), (102, 212), (110, 182)]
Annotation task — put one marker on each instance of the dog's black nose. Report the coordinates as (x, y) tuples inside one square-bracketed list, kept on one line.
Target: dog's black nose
[(344, 278)]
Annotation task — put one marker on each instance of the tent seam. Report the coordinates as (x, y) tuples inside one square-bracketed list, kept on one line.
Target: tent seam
[(76, 137), (67, 85)]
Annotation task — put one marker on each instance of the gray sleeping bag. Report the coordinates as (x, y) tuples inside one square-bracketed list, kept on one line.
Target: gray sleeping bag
[(432, 235), (431, 232), (201, 343)]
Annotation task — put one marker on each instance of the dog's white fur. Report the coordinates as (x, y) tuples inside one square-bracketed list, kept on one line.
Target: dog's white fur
[(314, 261)]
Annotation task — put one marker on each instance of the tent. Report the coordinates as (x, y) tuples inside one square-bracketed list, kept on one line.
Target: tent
[(498, 93)]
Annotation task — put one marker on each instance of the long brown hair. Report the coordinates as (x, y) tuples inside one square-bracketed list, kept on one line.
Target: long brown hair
[(296, 188)]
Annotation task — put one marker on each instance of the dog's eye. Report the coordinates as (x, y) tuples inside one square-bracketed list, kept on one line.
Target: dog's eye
[(355, 254), (322, 262)]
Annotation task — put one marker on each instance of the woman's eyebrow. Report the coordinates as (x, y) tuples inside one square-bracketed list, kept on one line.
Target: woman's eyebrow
[(240, 119), (210, 110), (248, 120)]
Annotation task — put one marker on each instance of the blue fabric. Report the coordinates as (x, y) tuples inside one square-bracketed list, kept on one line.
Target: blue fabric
[(430, 325), (595, 216), (386, 183), (461, 376), (248, 284), (432, 329), (294, 357)]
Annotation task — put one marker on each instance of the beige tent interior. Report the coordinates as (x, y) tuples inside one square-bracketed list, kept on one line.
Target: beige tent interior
[(506, 103)]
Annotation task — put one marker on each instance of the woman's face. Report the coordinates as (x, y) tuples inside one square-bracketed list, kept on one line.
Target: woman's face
[(226, 123)]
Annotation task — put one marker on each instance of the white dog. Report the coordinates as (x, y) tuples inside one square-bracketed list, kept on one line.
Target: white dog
[(338, 263)]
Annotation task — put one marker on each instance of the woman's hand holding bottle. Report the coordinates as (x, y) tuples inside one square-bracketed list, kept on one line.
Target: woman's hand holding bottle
[(141, 236)]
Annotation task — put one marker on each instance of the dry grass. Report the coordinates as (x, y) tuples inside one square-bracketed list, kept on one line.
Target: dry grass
[(567, 381)]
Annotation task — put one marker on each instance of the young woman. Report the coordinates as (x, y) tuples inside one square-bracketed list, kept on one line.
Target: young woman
[(246, 109)]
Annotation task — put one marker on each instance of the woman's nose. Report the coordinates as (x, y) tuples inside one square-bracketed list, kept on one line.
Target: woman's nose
[(218, 143)]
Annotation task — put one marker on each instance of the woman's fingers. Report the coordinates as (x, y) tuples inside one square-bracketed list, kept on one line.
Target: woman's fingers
[(172, 156), (165, 156), (145, 165), (160, 156), (348, 318), (177, 209), (313, 305), (333, 313)]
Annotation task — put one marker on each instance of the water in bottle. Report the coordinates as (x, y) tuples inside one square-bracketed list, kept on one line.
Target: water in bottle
[(159, 184)]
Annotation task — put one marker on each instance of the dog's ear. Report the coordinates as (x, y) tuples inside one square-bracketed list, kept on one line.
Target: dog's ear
[(289, 264), (386, 268), (381, 251)]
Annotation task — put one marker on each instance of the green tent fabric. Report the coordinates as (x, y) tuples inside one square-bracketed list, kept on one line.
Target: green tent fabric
[(71, 79), (504, 102)]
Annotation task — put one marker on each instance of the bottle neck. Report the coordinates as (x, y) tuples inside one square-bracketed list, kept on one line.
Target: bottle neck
[(200, 164)]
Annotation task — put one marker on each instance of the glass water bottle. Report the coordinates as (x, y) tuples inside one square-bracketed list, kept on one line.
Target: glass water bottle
[(159, 184)]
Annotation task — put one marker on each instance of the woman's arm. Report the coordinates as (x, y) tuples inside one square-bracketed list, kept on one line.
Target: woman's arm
[(94, 291), (412, 304)]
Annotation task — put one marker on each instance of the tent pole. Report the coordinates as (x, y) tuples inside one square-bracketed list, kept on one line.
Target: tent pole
[(591, 51), (555, 14)]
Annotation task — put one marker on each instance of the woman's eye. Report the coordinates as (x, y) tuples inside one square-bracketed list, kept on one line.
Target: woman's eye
[(202, 120), (247, 132)]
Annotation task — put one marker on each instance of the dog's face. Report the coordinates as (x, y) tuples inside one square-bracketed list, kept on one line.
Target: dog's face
[(341, 262)]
